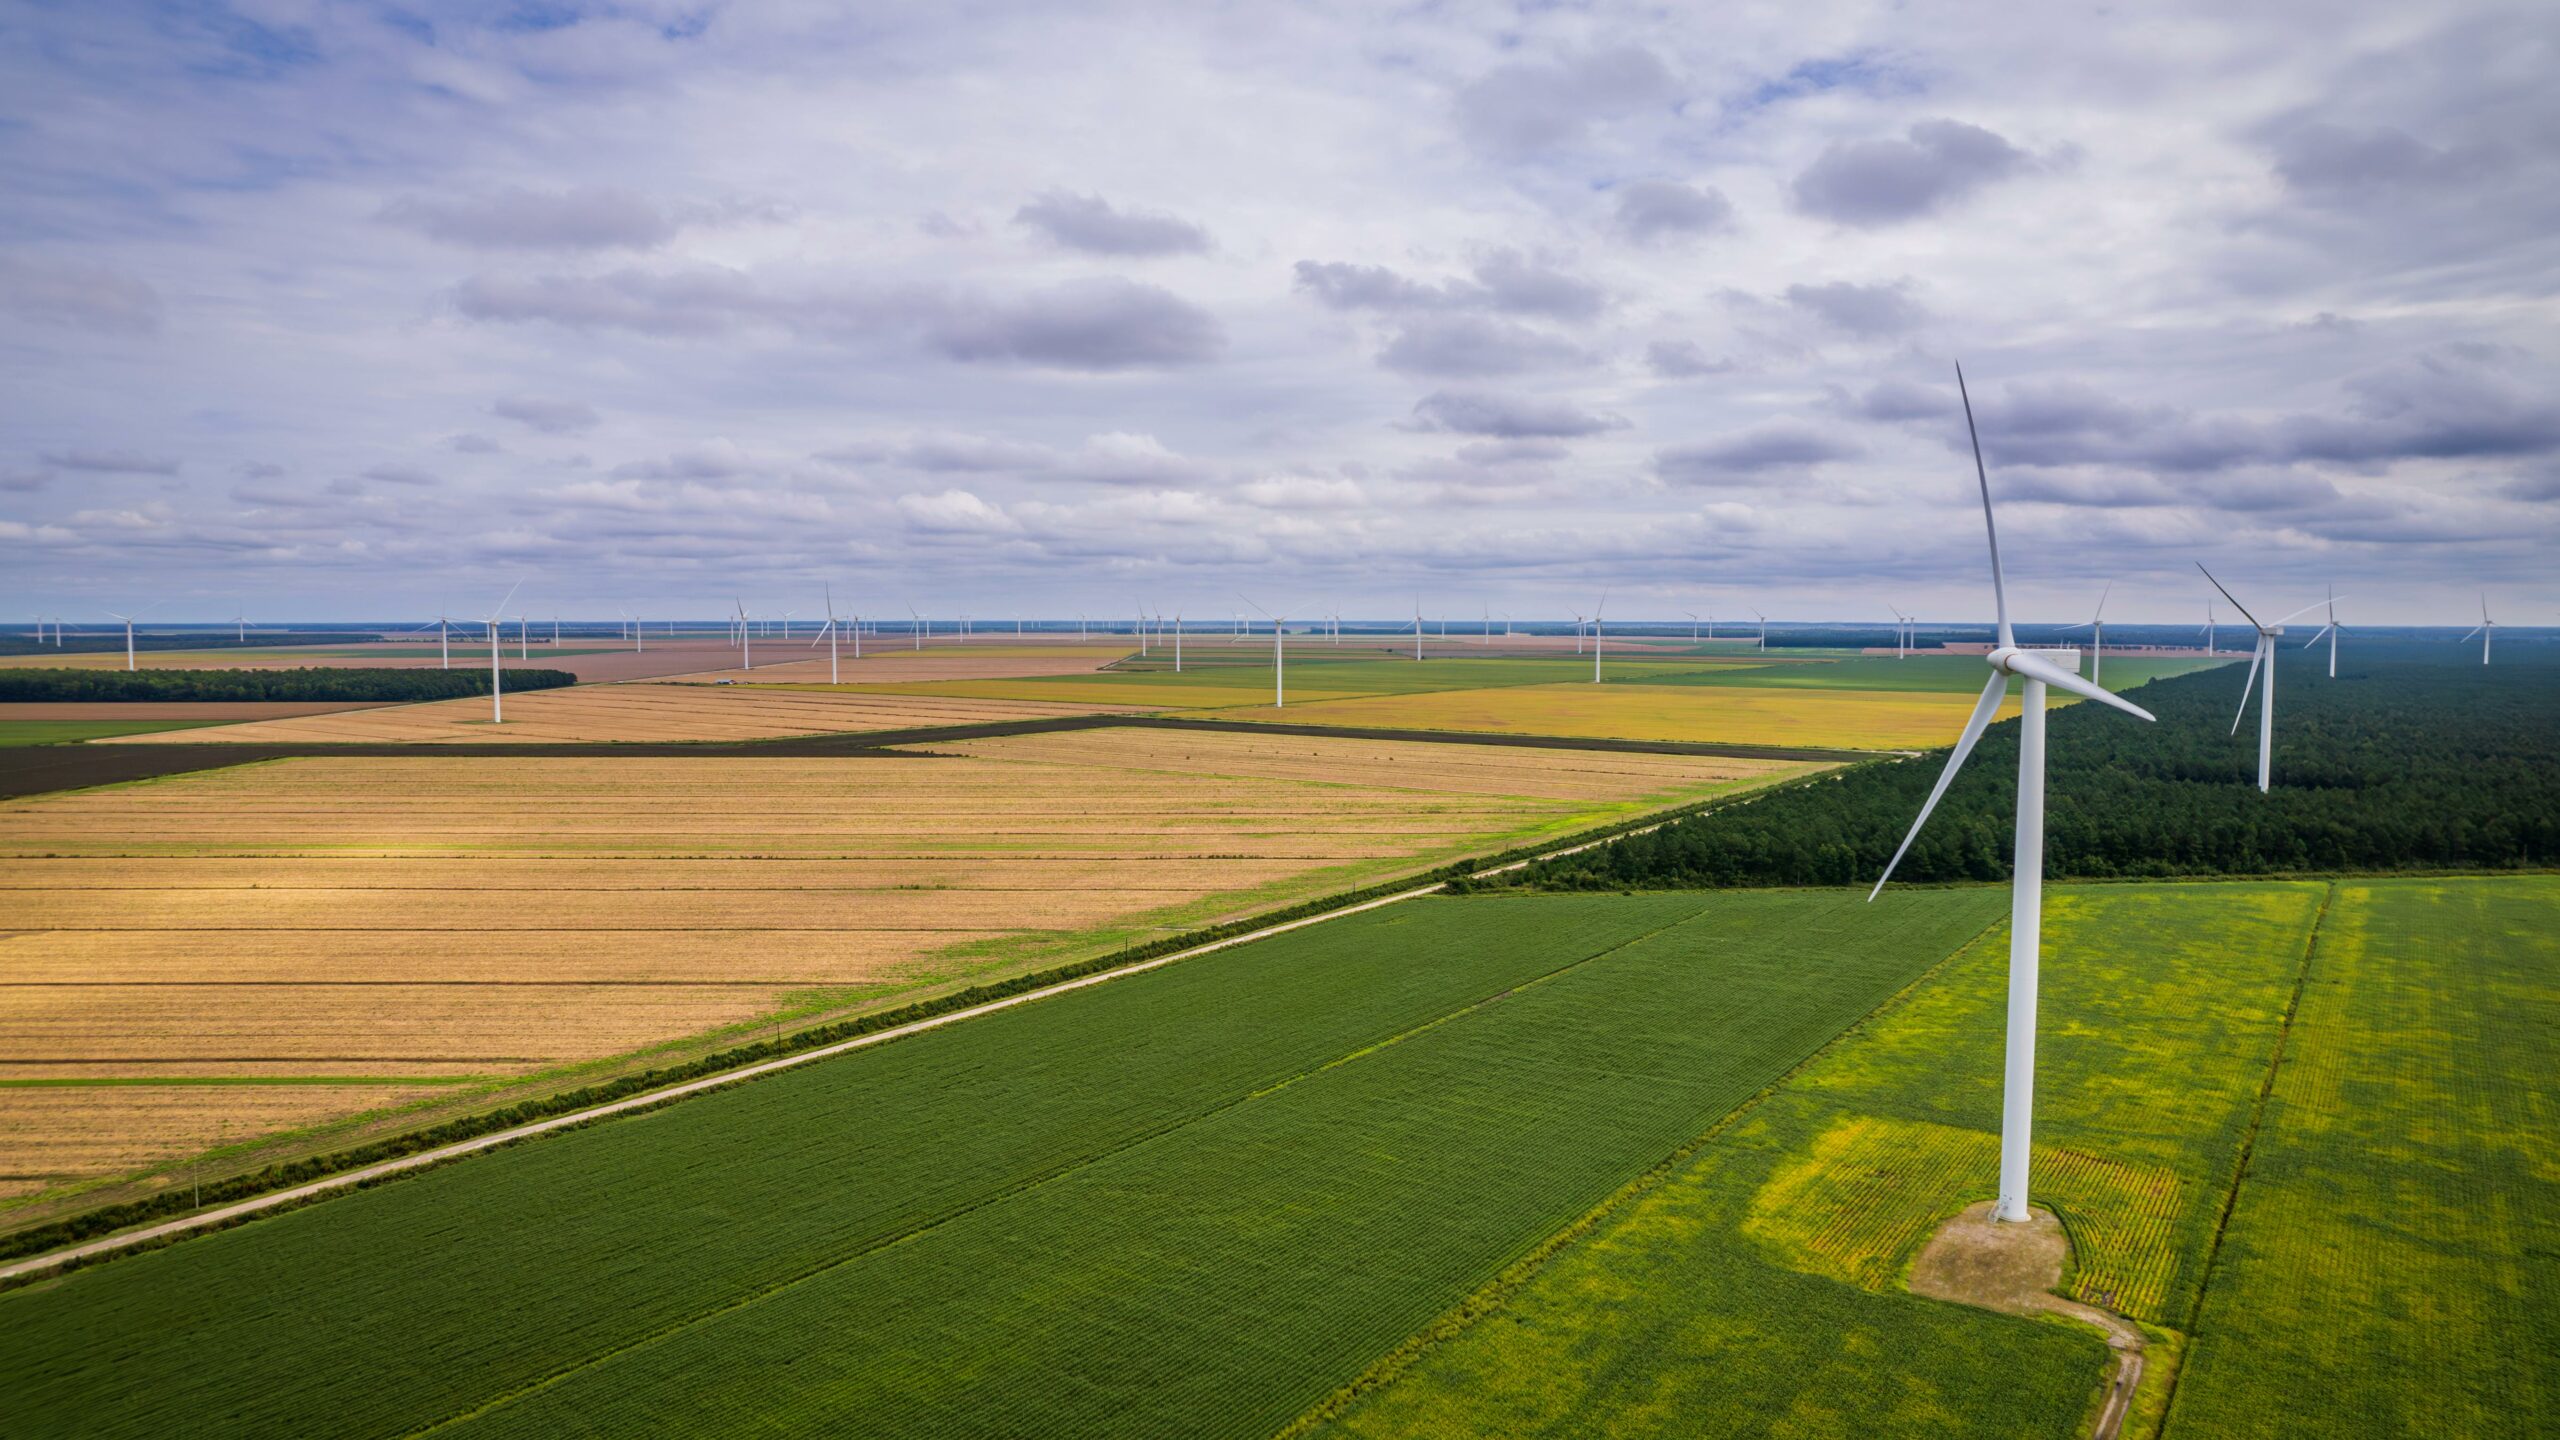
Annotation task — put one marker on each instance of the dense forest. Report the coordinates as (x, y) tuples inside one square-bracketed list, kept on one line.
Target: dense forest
[(344, 683), (2415, 757)]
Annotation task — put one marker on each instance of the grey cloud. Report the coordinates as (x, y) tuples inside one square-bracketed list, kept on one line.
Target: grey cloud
[(24, 482), (1896, 401), (1655, 210), (705, 300), (587, 218), (1776, 446), (551, 417), (1121, 458), (716, 460), (112, 462), (1085, 325), (79, 296), (1473, 345), (1879, 182), (475, 445), (1684, 359), (1863, 310), (2338, 166), (1495, 453), (1505, 281), (1510, 417), (1090, 223), (257, 470), (397, 473), (947, 451), (1520, 109), (2534, 488)]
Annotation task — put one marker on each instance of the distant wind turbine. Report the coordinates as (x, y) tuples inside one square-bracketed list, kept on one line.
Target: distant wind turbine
[(915, 627), (746, 637), (1279, 656), (2096, 625), (828, 634), (2487, 630), (1177, 642), (136, 615), (1764, 630), (1596, 640), (497, 621), (2261, 658), (2331, 630), (2026, 887), (1693, 625)]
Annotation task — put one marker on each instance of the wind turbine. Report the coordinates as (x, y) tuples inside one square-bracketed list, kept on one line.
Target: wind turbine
[(915, 627), (2487, 630), (524, 637), (1488, 627), (1417, 629), (2263, 656), (1577, 632), (1279, 656), (1177, 642), (746, 637), (1693, 625), (639, 631), (1764, 630), (2057, 669), (2208, 629), (2330, 630), (1596, 640), (496, 622), (2096, 625), (828, 634), (136, 615), (242, 620)]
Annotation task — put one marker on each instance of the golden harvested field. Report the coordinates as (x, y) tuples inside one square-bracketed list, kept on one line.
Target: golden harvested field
[(417, 918), (887, 662), (590, 660), (636, 712), (175, 709), (1731, 714)]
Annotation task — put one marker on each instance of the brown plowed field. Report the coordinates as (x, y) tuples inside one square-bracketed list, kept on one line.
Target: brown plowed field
[(440, 916), (176, 709)]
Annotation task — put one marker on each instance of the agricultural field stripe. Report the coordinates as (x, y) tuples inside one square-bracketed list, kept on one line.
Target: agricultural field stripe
[(1494, 1293), (253, 1206)]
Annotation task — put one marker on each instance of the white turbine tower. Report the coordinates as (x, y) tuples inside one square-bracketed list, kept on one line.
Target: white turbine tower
[(639, 631), (2096, 625), (1177, 642), (1693, 625), (915, 627), (2331, 630), (2261, 658), (2208, 629), (746, 637), (2487, 629), (1764, 630), (1417, 629), (827, 633), (1279, 655), (2038, 670), (1596, 640), (136, 615), (497, 624)]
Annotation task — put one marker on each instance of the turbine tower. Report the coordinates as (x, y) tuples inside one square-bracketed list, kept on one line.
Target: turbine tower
[(2096, 625), (1596, 638), (827, 632), (2486, 630), (2039, 670), (746, 637), (136, 615), (496, 622), (1279, 656), (2262, 656), (2331, 630)]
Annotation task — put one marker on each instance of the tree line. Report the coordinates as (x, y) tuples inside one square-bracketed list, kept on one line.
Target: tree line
[(313, 683), (2407, 760)]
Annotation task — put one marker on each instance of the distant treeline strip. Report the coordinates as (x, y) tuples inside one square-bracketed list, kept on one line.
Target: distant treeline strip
[(344, 683), (2404, 762), (91, 642), (35, 1240)]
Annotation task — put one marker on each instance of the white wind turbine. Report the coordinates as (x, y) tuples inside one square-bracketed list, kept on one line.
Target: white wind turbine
[(1764, 630), (497, 623), (915, 627), (136, 615), (2038, 669), (2208, 628), (1693, 625), (2096, 625), (2261, 658), (2331, 630), (639, 631), (827, 632), (746, 637), (2487, 629), (1177, 642), (1279, 655), (1596, 640), (1417, 629)]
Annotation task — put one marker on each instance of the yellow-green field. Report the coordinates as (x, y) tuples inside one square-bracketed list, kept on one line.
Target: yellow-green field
[(1732, 714)]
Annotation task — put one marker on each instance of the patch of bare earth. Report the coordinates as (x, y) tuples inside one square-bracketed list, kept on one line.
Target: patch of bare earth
[(2016, 1269)]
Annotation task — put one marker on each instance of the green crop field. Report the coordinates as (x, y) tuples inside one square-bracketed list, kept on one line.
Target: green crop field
[(1758, 1289), (1191, 1202), (1961, 674), (2392, 1265), (63, 732)]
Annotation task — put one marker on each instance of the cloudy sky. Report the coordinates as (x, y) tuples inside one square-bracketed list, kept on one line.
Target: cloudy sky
[(358, 310)]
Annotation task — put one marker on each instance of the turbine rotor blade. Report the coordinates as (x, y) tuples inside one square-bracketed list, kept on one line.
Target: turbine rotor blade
[(2476, 629), (2315, 639), (2227, 595), (1980, 720), (2249, 686), (2036, 667), (2305, 610), (1999, 589)]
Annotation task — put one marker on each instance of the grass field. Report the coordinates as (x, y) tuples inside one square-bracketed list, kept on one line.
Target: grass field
[(63, 732), (506, 918), (1789, 1235), (2392, 1265), (1189, 1203), (1734, 714)]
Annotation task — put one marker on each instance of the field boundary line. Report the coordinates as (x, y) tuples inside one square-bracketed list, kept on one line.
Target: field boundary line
[(1489, 1298), (243, 1210), (1024, 1186), (2248, 1151)]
